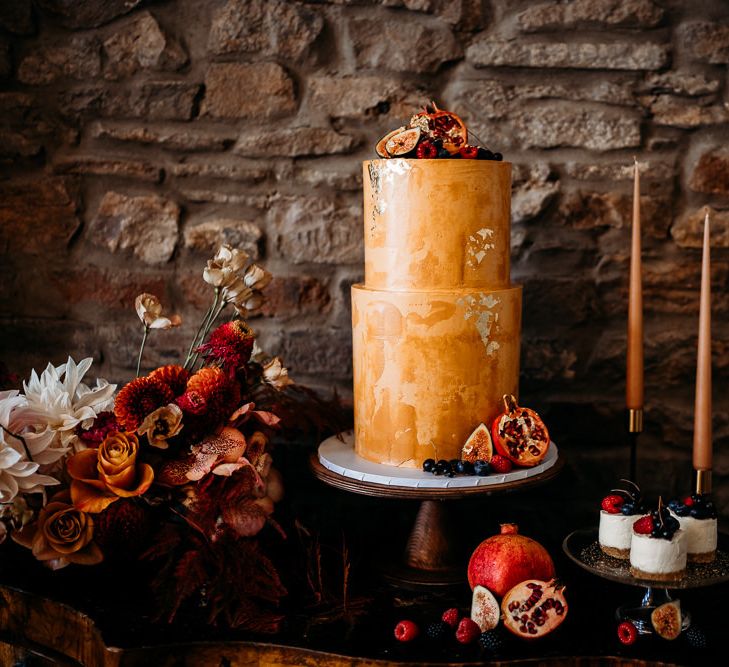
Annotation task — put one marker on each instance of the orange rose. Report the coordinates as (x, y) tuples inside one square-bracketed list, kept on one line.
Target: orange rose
[(102, 476), (62, 534)]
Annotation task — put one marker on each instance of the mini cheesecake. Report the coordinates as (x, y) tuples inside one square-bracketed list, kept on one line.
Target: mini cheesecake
[(658, 558), (697, 518), (615, 534), (658, 547)]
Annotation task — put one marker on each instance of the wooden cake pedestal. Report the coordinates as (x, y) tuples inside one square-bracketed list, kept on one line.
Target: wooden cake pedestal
[(430, 559)]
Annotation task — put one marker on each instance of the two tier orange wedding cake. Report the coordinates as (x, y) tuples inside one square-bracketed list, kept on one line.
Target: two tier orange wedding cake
[(436, 323)]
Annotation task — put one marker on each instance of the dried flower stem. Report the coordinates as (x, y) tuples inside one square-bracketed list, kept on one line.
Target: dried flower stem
[(208, 324), (141, 348), (201, 332), (18, 437)]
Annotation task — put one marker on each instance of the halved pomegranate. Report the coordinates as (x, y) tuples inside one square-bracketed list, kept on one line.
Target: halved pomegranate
[(443, 125), (520, 435), (534, 608)]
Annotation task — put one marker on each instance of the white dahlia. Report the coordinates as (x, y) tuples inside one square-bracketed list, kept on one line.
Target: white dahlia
[(17, 473), (56, 403)]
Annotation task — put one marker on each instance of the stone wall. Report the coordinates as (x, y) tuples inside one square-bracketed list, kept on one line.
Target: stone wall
[(136, 136)]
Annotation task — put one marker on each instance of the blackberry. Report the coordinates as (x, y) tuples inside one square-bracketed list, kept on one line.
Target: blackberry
[(491, 641), (429, 465), (695, 637), (438, 631)]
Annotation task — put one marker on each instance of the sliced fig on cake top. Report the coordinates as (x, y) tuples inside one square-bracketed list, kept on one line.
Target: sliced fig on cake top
[(402, 143), (380, 147)]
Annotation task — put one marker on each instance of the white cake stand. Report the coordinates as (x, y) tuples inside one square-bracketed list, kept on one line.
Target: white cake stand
[(430, 557)]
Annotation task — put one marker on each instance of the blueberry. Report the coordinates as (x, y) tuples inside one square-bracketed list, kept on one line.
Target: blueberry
[(429, 465), (450, 473), (443, 462), (655, 532), (667, 533), (481, 468), (695, 512), (484, 154), (440, 469), (442, 153), (454, 463), (627, 509), (465, 468), (674, 504), (498, 157)]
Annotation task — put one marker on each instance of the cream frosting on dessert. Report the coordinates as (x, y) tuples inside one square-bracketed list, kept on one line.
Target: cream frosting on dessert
[(701, 538), (658, 558), (615, 533)]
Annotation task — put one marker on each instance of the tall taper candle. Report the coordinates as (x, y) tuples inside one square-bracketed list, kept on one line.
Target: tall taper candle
[(634, 381), (702, 408)]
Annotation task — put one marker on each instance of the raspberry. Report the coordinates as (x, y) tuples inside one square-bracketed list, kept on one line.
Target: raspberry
[(469, 152), (426, 150), (688, 501), (644, 525), (451, 616), (500, 464), (627, 633), (491, 641), (612, 504), (468, 631), (406, 631)]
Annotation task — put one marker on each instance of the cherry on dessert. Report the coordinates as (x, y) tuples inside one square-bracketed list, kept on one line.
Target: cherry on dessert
[(469, 152), (426, 150), (406, 631), (627, 633)]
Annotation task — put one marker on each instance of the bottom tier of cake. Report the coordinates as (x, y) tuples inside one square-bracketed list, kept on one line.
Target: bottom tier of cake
[(429, 367)]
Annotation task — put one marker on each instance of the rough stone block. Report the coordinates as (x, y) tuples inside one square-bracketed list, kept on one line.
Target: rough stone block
[(78, 58), (206, 237), (590, 13), (490, 52), (688, 230), (318, 230), (269, 27), (294, 142), (141, 44), (705, 41), (399, 45), (147, 225), (711, 172), (290, 297), (258, 91), (171, 137), (96, 166), (38, 217)]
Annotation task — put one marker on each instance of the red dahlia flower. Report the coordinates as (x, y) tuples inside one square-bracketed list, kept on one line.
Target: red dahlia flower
[(138, 398), (175, 377), (229, 346), (210, 398)]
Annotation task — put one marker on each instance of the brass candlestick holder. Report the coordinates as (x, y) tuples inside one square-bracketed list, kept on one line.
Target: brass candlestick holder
[(635, 428), (702, 481)]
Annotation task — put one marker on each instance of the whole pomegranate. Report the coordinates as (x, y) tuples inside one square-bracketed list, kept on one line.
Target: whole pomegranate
[(534, 608), (502, 561)]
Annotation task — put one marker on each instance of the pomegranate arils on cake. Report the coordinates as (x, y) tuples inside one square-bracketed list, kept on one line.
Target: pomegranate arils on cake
[(612, 503), (644, 525), (426, 150)]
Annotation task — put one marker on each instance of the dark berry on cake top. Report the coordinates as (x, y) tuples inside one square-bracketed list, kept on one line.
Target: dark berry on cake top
[(659, 523), (697, 505)]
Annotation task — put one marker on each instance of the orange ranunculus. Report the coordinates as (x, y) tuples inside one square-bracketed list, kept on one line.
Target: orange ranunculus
[(62, 534), (102, 476)]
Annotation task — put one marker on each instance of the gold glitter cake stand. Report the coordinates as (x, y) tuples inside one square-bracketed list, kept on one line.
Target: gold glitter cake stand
[(583, 549), (431, 556)]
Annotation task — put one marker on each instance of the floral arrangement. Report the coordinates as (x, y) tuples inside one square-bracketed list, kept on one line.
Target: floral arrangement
[(174, 468)]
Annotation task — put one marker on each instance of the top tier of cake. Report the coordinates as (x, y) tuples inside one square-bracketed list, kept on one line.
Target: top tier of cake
[(437, 224)]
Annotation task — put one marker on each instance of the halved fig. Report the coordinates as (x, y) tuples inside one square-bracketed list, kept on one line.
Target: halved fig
[(380, 147), (666, 620), (485, 610), (403, 142), (478, 446)]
